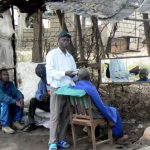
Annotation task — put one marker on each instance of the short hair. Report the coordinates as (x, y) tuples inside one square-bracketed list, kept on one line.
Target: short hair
[(2, 70), (144, 71), (83, 74)]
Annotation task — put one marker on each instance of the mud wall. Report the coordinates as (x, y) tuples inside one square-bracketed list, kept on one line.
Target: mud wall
[(133, 101)]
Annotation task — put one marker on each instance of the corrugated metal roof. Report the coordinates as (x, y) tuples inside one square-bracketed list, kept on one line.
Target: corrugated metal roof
[(112, 10), (145, 7)]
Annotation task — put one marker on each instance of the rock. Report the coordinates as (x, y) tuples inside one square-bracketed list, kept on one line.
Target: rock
[(145, 148), (133, 120), (136, 130), (140, 126)]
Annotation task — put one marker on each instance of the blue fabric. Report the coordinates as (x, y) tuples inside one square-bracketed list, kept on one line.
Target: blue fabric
[(42, 89), (5, 113), (143, 80), (108, 112), (63, 144), (9, 94)]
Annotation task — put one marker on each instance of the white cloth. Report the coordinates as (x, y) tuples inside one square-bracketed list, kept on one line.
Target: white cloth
[(57, 63), (118, 70)]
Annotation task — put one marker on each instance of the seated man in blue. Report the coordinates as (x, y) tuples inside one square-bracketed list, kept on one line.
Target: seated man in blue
[(143, 75), (11, 101), (108, 112), (41, 99)]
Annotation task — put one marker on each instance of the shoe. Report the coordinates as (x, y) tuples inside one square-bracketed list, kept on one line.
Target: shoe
[(63, 144), (30, 127), (8, 130), (17, 125), (53, 146)]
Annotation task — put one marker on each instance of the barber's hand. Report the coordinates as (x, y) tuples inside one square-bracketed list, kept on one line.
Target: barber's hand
[(69, 73)]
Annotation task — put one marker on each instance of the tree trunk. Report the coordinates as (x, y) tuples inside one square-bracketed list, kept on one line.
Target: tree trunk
[(14, 48), (21, 26), (37, 39), (75, 32), (80, 38), (61, 18), (147, 32), (98, 42), (112, 34)]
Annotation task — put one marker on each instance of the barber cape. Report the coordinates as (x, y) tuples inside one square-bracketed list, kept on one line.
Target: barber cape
[(108, 112)]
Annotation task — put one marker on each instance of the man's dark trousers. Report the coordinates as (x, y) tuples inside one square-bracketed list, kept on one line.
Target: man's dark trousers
[(34, 103)]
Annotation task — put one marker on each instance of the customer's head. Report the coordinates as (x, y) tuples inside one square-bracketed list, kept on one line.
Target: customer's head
[(4, 75), (64, 39), (83, 74), (143, 73)]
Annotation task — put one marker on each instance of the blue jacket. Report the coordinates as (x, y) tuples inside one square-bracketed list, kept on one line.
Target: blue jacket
[(109, 112), (9, 94), (143, 80), (41, 90)]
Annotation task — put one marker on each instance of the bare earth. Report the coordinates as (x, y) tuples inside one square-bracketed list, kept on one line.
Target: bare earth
[(38, 140)]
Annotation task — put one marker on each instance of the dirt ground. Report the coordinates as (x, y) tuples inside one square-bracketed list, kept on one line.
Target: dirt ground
[(38, 139)]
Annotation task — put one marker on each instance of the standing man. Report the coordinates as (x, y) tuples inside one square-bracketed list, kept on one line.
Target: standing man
[(60, 66), (11, 100)]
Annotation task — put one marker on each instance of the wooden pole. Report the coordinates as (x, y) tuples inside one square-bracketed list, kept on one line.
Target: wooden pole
[(141, 20), (14, 48), (147, 32)]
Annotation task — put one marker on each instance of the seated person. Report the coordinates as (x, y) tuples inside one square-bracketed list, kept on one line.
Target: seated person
[(11, 101), (143, 75), (41, 99), (108, 112)]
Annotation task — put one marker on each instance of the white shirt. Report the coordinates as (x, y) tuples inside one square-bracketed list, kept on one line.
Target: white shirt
[(57, 63), (118, 70)]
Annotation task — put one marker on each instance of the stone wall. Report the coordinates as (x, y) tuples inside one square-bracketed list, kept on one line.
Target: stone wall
[(51, 34)]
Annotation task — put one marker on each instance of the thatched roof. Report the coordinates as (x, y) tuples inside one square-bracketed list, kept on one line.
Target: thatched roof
[(103, 9), (112, 10)]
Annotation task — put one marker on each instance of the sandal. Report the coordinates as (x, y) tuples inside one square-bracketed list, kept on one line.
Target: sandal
[(29, 127), (63, 144), (53, 147)]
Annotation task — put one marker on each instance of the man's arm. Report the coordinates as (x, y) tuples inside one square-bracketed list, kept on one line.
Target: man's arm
[(41, 91), (15, 92), (4, 98)]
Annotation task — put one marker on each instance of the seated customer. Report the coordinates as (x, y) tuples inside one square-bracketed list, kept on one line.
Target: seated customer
[(41, 99), (11, 101), (108, 112), (143, 75)]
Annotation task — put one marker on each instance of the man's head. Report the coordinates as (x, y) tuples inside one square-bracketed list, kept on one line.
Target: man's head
[(83, 74), (143, 73), (40, 71), (4, 75), (64, 39)]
